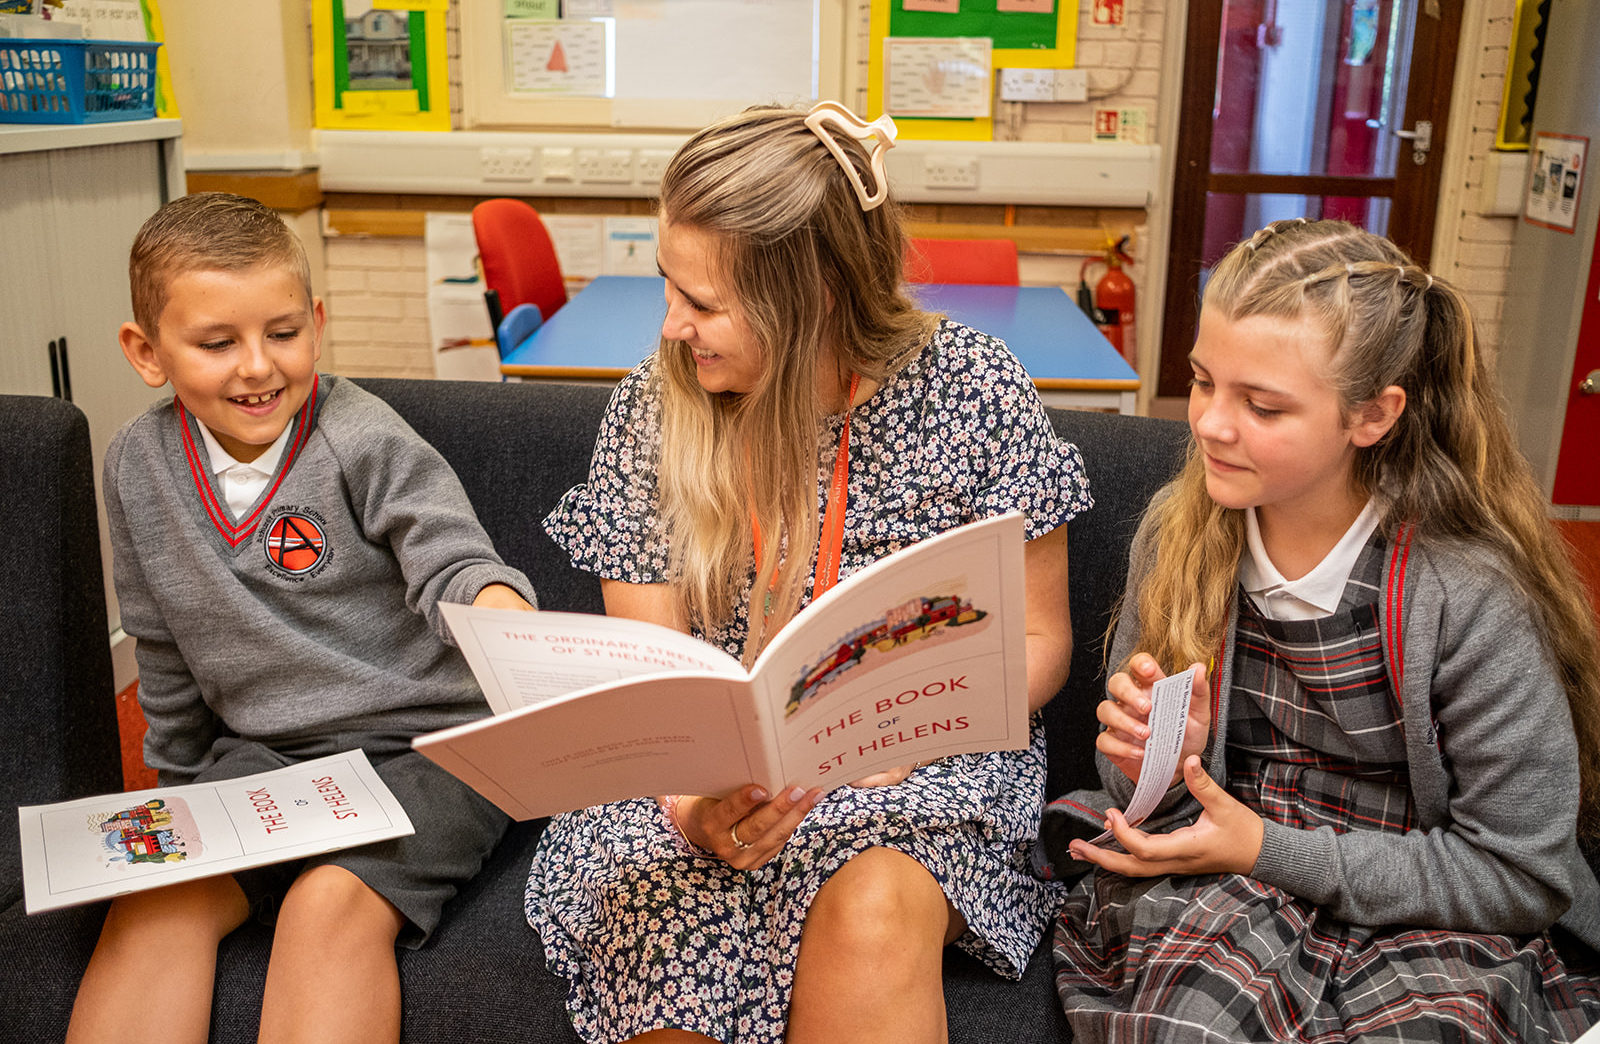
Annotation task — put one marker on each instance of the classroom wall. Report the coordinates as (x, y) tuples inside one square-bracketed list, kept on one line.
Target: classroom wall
[(1472, 245), (377, 283), (242, 76), (375, 279)]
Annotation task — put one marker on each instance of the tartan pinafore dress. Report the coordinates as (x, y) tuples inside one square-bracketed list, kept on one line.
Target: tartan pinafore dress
[(1314, 739)]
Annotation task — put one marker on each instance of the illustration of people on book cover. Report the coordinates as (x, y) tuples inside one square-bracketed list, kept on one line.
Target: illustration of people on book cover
[(939, 617), (158, 831)]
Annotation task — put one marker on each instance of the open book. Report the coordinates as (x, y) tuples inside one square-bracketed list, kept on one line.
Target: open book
[(918, 656), (95, 848)]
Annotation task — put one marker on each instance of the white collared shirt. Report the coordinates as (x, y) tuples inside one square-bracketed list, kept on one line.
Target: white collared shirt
[(1313, 595), (241, 483)]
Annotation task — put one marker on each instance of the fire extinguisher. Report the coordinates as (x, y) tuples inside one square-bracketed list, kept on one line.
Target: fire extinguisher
[(1111, 306)]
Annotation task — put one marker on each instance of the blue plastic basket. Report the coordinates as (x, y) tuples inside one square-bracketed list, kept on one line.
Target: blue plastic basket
[(76, 81)]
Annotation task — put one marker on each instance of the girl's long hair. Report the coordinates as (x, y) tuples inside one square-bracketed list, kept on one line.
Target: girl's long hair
[(1448, 467), (819, 283)]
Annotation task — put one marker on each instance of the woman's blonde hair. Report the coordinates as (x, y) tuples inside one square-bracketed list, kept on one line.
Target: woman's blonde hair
[(1448, 467), (818, 281)]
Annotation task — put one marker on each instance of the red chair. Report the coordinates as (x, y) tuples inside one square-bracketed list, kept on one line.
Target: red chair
[(519, 260), (988, 261)]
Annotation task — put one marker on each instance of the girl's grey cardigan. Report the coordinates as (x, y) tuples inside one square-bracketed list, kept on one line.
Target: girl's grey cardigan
[(1491, 751)]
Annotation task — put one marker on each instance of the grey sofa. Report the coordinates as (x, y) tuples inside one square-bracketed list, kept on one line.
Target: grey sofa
[(517, 447)]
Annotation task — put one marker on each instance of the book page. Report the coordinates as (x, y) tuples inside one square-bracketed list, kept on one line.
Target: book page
[(920, 655), (685, 733), (1169, 713), (95, 848), (522, 659), (917, 656)]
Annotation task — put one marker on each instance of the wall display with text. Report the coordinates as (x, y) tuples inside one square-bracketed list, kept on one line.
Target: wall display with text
[(1023, 34)]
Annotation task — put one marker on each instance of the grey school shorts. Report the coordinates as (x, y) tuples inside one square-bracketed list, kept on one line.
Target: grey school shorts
[(456, 829)]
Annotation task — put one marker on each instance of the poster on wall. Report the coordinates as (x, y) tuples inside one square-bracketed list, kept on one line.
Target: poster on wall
[(380, 64), (1022, 34), (463, 342), (937, 77), (559, 58), (1555, 181)]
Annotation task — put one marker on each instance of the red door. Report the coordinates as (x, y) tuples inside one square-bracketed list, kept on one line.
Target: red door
[(1578, 460)]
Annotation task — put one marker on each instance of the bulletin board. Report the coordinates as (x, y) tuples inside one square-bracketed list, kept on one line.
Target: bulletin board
[(380, 64), (1025, 34), (645, 64)]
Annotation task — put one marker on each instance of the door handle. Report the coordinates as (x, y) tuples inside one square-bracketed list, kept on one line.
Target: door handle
[(1421, 138), (1590, 385)]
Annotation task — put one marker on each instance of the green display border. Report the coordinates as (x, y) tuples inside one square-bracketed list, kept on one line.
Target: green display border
[(416, 26), (1015, 30)]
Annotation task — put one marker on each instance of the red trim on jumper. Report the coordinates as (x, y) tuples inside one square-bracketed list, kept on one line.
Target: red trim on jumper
[(1216, 684), (237, 534), (1094, 813), (1394, 613)]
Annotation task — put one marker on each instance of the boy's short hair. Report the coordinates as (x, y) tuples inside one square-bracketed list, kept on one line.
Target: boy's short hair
[(207, 230)]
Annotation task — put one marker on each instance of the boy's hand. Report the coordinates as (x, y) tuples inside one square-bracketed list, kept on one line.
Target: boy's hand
[(1126, 716), (1226, 839), (500, 596)]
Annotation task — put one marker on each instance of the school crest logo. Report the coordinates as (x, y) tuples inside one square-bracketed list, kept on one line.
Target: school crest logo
[(296, 543)]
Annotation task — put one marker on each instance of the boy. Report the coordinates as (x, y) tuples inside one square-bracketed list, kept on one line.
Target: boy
[(271, 528)]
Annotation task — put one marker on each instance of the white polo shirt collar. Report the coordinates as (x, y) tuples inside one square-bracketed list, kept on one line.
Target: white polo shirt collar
[(1318, 592), (241, 482)]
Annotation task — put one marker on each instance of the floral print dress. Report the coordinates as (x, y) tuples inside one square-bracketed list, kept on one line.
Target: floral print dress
[(650, 934)]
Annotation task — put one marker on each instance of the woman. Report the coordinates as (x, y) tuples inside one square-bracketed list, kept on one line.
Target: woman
[(793, 372)]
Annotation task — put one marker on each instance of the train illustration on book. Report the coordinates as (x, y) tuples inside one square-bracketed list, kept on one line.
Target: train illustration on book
[(911, 621)]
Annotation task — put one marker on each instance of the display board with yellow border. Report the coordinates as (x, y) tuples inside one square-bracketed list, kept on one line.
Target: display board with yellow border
[(1023, 39), (1522, 75), (380, 64)]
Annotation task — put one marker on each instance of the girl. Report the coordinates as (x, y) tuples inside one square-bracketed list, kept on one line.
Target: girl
[(1387, 767), (801, 416)]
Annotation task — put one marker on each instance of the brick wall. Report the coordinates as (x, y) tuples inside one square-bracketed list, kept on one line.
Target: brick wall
[(377, 300), (1473, 249)]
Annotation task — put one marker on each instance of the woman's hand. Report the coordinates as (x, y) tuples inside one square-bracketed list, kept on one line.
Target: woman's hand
[(888, 777), (500, 596), (1126, 716), (744, 830), (1226, 839)]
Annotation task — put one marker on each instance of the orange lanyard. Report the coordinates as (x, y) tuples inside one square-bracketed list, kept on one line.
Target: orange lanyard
[(831, 543)]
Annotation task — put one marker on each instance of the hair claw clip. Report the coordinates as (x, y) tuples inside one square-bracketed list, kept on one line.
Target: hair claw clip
[(826, 113)]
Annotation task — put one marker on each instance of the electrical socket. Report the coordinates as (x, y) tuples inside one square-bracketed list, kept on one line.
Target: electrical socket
[(1072, 85), (950, 172), (1027, 85), (501, 163), (612, 166), (652, 164), (558, 164)]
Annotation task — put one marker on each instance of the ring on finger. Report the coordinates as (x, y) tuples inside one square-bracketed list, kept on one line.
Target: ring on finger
[(733, 832)]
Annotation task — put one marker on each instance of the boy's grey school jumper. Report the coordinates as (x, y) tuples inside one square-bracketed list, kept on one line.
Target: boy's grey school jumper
[(290, 627)]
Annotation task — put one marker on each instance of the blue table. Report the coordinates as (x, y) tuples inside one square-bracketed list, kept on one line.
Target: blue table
[(615, 321)]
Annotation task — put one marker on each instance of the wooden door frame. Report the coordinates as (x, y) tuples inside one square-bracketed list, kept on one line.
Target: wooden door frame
[(1413, 211)]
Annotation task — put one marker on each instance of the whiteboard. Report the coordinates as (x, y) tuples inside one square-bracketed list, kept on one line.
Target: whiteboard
[(671, 63)]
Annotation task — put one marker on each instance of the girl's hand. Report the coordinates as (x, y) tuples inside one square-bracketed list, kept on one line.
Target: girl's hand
[(1126, 716), (1226, 839), (500, 596), (744, 830)]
